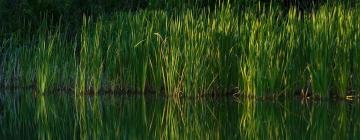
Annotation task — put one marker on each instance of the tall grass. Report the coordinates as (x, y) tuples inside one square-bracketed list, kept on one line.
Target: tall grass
[(262, 51)]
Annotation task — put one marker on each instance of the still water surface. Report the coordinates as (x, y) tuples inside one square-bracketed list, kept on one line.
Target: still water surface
[(23, 116)]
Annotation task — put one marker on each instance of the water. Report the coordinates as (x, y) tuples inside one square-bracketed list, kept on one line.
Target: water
[(61, 116)]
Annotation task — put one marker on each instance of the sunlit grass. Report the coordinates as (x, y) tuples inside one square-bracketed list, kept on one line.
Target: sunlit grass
[(254, 52)]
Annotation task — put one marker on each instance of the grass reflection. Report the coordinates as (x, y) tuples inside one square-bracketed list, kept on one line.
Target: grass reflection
[(151, 117)]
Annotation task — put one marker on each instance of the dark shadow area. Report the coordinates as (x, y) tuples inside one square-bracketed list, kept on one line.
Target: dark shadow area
[(19, 16)]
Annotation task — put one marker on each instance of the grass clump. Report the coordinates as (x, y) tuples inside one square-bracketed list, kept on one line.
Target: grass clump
[(260, 51)]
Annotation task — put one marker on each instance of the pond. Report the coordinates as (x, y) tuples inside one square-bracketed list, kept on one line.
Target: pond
[(64, 116)]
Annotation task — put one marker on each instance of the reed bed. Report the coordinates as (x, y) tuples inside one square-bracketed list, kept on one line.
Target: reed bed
[(257, 52)]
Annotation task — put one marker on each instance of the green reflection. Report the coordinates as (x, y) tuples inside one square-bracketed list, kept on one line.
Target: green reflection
[(66, 116)]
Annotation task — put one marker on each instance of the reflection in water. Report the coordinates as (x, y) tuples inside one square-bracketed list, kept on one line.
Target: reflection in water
[(139, 117), (42, 118)]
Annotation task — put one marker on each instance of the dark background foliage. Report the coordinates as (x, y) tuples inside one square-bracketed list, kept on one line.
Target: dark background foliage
[(20, 15)]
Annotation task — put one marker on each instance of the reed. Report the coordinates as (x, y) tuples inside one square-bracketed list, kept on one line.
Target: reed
[(262, 51)]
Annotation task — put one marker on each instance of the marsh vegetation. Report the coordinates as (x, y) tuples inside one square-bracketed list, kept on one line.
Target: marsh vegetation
[(179, 69), (259, 51)]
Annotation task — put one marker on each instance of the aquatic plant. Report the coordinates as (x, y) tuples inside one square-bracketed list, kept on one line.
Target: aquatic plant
[(257, 52)]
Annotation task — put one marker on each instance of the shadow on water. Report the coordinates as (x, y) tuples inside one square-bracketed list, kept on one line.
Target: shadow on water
[(22, 115)]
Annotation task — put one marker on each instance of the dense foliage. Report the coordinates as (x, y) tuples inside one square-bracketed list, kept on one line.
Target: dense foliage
[(21, 14), (253, 48)]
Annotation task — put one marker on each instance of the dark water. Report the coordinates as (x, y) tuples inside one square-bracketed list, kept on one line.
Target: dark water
[(23, 116)]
